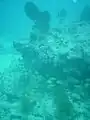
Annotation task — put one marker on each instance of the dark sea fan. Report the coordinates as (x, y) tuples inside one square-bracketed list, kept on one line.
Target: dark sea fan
[(31, 10), (41, 19)]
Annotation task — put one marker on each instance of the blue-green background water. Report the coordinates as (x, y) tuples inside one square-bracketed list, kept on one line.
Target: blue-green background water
[(14, 21)]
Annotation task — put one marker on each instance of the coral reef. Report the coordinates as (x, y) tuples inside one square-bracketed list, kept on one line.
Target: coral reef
[(51, 78), (62, 58), (59, 55)]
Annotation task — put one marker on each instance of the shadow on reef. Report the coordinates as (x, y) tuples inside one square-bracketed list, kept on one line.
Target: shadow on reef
[(78, 68), (40, 19)]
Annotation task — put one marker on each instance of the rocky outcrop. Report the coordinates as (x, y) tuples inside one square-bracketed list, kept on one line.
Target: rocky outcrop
[(59, 55)]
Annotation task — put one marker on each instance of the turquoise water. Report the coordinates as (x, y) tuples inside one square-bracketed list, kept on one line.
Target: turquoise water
[(44, 60), (14, 21)]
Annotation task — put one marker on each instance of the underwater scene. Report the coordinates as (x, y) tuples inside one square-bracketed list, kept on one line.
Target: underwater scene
[(44, 59)]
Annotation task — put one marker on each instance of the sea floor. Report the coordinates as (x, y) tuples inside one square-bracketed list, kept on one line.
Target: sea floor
[(7, 52)]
